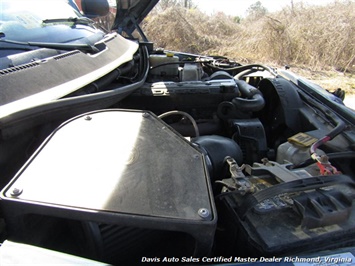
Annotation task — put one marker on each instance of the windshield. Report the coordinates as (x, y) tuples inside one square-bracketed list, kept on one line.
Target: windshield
[(41, 21)]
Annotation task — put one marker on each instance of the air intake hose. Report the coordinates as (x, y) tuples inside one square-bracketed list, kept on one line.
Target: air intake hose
[(252, 100)]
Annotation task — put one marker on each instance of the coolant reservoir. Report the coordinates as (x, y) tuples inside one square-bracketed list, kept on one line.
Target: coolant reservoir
[(296, 150), (293, 153), (165, 70), (191, 72)]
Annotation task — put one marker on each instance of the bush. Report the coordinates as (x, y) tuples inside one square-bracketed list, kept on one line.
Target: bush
[(187, 30), (317, 36)]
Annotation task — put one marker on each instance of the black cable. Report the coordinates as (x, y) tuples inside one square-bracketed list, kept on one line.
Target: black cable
[(245, 67), (197, 133)]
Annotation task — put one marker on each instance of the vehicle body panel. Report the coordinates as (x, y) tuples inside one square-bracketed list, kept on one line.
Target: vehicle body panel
[(114, 151)]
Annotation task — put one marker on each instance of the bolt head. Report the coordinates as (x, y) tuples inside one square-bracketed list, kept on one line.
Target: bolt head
[(16, 192), (204, 213)]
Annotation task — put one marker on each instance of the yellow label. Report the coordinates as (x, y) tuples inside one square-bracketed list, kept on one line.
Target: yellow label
[(302, 139)]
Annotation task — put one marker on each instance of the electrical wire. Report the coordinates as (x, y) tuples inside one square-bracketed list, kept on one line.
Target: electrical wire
[(245, 67), (176, 112), (331, 156)]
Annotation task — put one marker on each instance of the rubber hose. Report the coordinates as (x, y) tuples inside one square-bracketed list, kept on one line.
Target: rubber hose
[(253, 100)]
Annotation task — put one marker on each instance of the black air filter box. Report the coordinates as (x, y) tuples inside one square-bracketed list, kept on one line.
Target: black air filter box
[(112, 176)]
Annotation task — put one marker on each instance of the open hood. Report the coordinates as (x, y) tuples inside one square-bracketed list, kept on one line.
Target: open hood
[(129, 13)]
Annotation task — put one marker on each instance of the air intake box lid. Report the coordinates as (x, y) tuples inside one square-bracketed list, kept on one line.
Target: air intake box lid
[(117, 162)]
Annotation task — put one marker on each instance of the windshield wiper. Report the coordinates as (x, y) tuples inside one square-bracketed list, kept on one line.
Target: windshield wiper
[(77, 20), (62, 46)]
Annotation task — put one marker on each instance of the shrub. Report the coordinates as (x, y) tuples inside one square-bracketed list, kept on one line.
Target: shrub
[(316, 36)]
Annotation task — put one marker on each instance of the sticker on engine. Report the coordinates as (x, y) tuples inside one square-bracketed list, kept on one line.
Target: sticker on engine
[(302, 139)]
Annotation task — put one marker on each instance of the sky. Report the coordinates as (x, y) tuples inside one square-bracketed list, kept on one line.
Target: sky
[(239, 7)]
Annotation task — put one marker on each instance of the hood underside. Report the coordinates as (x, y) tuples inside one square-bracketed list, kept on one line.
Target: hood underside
[(129, 13)]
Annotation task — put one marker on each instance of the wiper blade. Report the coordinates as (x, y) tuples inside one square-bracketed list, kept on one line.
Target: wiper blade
[(62, 46), (77, 20)]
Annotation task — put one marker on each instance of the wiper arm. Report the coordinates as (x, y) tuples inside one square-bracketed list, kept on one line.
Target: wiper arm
[(62, 46), (77, 20)]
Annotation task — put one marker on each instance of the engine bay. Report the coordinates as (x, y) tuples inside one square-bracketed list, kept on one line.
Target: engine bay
[(206, 157)]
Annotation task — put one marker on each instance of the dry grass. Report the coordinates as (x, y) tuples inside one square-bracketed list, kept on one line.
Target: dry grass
[(322, 38), (184, 30)]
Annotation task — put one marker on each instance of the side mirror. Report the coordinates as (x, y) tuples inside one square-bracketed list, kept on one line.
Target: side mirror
[(95, 8)]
